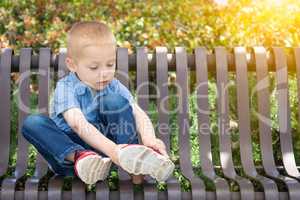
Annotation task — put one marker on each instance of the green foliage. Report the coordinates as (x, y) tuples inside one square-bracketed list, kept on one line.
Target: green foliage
[(189, 23)]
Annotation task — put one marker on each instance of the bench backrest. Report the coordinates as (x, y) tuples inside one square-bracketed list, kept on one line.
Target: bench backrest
[(202, 62)]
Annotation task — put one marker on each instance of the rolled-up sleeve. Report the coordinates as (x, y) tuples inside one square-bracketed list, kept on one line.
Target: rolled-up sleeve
[(64, 97)]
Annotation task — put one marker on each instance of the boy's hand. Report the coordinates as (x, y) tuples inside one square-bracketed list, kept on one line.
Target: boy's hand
[(157, 145)]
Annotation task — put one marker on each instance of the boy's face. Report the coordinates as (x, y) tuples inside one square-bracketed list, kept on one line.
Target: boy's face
[(95, 65)]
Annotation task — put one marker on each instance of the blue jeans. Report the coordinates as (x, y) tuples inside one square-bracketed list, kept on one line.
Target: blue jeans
[(54, 144)]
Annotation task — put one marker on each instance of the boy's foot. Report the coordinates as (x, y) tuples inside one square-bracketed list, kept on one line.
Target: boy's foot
[(90, 167), (139, 159)]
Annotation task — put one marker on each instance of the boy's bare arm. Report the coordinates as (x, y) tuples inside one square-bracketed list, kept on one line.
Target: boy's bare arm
[(91, 135), (146, 130)]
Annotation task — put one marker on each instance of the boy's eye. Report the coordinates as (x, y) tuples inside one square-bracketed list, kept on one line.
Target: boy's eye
[(93, 68), (110, 64)]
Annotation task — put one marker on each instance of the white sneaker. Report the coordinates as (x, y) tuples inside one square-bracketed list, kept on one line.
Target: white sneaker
[(90, 167), (140, 159)]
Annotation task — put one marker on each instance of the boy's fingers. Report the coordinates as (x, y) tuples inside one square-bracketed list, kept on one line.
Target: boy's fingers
[(162, 149), (163, 152)]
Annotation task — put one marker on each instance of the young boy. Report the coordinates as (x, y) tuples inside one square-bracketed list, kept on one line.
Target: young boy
[(95, 116)]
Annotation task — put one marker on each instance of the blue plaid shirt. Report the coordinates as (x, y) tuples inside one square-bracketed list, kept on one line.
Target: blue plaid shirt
[(70, 92)]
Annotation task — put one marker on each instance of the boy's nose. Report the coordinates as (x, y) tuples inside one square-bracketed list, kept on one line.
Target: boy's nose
[(102, 74), (105, 74)]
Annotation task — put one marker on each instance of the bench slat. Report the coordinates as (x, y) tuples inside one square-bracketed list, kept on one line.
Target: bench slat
[(62, 68), (102, 190), (9, 184), (32, 183), (284, 113), (297, 63), (286, 145), (55, 183), (5, 70), (162, 94), (142, 80), (7, 187), (246, 187), (44, 88), (262, 88), (24, 105), (222, 187), (265, 134), (270, 187), (174, 189), (122, 66), (198, 187), (142, 91), (126, 186)]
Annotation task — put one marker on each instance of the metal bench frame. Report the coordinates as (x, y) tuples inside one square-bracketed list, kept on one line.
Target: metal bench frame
[(221, 61)]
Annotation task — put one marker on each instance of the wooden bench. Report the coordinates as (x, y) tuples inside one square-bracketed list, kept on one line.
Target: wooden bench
[(221, 62)]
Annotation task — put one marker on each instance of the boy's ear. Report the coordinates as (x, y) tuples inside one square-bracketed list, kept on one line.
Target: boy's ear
[(70, 64)]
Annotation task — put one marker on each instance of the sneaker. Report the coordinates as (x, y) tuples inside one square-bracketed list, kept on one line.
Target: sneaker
[(140, 159), (90, 166)]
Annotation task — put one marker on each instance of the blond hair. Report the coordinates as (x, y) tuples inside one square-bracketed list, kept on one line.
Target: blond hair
[(83, 34)]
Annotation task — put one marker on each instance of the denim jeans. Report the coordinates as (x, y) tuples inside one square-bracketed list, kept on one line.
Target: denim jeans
[(116, 122)]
